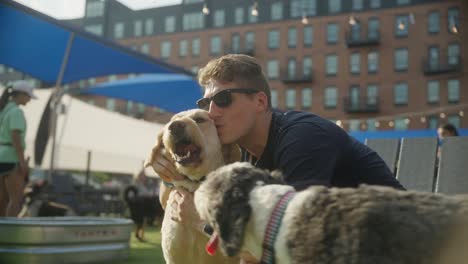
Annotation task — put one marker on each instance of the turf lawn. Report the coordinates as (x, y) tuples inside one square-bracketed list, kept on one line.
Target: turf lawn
[(145, 252)]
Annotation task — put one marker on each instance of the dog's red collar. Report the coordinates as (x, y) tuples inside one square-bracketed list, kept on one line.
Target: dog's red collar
[(268, 254)]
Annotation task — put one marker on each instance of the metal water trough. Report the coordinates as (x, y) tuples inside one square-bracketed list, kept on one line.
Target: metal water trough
[(64, 239)]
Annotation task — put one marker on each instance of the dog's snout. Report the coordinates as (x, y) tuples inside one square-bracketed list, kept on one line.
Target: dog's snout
[(177, 128)]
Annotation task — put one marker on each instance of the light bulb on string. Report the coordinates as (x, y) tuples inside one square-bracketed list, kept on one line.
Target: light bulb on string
[(205, 10), (352, 20), (461, 113), (391, 124), (442, 115), (377, 124), (255, 9), (363, 126), (407, 121), (304, 19), (423, 119)]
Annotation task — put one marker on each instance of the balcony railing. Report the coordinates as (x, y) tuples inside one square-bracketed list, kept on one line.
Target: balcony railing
[(356, 40), (362, 104), (296, 77), (433, 66)]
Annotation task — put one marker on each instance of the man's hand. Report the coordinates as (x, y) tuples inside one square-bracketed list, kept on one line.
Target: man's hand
[(165, 168), (183, 209)]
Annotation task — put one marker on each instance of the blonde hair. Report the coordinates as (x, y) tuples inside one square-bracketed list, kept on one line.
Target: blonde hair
[(240, 69)]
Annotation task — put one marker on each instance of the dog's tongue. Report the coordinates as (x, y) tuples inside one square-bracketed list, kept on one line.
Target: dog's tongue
[(212, 245)]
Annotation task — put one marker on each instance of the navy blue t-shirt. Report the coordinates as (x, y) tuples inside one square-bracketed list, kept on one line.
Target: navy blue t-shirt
[(310, 150)]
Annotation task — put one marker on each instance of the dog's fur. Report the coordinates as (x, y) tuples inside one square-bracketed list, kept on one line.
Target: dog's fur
[(363, 225), (36, 204), (191, 142)]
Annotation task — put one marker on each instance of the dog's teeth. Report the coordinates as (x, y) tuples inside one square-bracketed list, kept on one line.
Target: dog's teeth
[(188, 154)]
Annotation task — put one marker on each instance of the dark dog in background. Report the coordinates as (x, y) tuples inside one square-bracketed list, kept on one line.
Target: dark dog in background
[(143, 209), (37, 204)]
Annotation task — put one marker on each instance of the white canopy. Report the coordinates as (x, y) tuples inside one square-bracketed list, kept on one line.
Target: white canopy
[(117, 143)]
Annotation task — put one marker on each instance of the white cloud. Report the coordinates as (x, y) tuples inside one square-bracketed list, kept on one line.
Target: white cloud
[(66, 9)]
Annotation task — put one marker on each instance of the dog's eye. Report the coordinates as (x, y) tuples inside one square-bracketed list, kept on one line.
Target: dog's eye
[(199, 119)]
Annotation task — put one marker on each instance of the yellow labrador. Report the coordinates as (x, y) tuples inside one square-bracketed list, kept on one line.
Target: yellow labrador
[(191, 142)]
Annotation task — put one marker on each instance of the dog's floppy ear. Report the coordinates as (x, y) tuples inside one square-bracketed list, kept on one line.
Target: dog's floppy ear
[(231, 153), (232, 219), (157, 150)]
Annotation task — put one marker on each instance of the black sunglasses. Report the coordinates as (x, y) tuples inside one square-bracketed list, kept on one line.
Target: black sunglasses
[(223, 98)]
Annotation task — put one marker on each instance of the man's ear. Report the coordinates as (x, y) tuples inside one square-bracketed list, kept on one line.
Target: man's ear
[(157, 150), (262, 101), (231, 153)]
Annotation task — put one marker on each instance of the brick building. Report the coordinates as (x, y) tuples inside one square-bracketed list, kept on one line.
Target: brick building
[(367, 64)]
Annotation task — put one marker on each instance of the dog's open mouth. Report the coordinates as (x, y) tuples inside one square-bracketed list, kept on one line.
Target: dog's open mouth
[(187, 153)]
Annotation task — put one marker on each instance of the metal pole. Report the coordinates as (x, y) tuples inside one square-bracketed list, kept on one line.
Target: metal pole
[(88, 168), (56, 103)]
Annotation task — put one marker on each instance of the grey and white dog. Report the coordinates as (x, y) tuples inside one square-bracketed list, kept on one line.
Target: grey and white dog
[(362, 225)]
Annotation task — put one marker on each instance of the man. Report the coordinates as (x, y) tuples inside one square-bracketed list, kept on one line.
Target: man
[(308, 149)]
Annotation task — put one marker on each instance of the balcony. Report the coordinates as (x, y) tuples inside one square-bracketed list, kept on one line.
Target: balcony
[(434, 66), (363, 104), (358, 40), (296, 77)]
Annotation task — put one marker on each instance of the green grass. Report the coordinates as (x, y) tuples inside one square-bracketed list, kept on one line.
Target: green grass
[(145, 252)]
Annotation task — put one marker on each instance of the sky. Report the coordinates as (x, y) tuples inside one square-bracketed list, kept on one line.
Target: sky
[(66, 9)]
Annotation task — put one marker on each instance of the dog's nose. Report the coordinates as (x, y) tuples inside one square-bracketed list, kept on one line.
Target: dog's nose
[(177, 128)]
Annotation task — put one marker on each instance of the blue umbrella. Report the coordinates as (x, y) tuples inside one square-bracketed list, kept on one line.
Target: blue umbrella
[(171, 92)]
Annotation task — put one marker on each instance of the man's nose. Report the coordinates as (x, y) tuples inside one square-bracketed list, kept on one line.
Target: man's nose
[(213, 110)]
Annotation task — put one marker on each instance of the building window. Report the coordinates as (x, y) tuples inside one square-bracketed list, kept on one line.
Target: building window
[(273, 39), (432, 122), (354, 96), (433, 22), (274, 98), (355, 63), (453, 91), (400, 94), (358, 4), (119, 30), (170, 24), (454, 120), (252, 18), (145, 48), (353, 125), (194, 69), (374, 3), (149, 26), (307, 66), (215, 45), (306, 98), (401, 26), (331, 97), (277, 11), (165, 49), (453, 53), (372, 94), (433, 53), (372, 62), (401, 59), (299, 8), (272, 69), (334, 6), (292, 69), (218, 18), (196, 47), (371, 125), (331, 64), (290, 98), (239, 16), (110, 104), (292, 37), (373, 28), (235, 43), (332, 33), (137, 28), (250, 41), (183, 48), (95, 29), (401, 124), (453, 20), (403, 2), (433, 92), (192, 21), (94, 9), (308, 36)]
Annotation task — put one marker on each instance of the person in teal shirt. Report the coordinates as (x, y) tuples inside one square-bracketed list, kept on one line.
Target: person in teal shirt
[(13, 164)]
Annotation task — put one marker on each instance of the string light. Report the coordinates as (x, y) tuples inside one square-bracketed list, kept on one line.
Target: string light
[(461, 113), (338, 123), (407, 121), (442, 115), (423, 119), (377, 124), (304, 19), (391, 124), (205, 10), (255, 9), (352, 20)]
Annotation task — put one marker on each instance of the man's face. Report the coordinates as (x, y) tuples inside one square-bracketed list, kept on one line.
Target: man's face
[(236, 120)]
